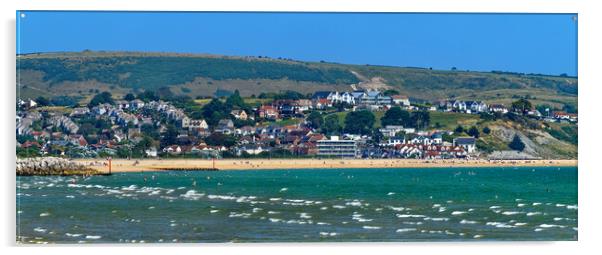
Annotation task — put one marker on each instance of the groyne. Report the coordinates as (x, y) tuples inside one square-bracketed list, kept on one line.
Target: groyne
[(51, 166)]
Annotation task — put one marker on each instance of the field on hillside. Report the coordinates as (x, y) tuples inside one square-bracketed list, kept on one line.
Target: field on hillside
[(83, 74), (446, 120), (450, 120)]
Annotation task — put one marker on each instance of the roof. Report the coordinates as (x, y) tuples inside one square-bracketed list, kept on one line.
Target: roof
[(323, 101), (465, 140), (357, 93), (373, 93), (224, 121), (267, 108)]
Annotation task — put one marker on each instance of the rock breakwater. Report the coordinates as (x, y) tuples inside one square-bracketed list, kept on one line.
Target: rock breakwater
[(51, 166)]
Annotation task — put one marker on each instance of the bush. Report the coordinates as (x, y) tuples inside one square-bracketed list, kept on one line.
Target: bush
[(102, 98), (474, 132), (517, 144), (484, 147), (459, 129), (487, 116), (129, 97)]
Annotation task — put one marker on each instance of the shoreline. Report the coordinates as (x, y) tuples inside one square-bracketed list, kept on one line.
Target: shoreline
[(148, 165)]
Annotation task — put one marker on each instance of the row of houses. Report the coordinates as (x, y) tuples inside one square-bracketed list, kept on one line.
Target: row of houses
[(468, 106), (361, 97), (417, 147), (476, 107), (431, 151), (64, 123), (24, 123), (564, 116)]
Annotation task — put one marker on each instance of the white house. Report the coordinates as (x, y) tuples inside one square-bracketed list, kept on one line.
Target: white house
[(421, 140), (347, 97), (401, 100), (498, 108), (468, 143), (151, 152), (393, 141), (251, 149), (476, 106), (459, 105), (391, 130), (239, 114), (197, 124)]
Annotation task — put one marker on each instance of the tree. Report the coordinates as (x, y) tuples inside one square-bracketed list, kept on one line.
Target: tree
[(331, 125), (521, 106), (165, 93), (486, 130), (236, 101), (341, 106), (129, 97), (64, 101), (145, 144), (87, 129), (569, 108), (359, 122), (42, 101), (150, 130), (315, 119), (102, 124), (420, 119), (474, 132), (170, 136), (219, 139), (148, 96), (377, 136), (487, 116), (27, 152), (395, 116), (102, 98), (214, 111), (517, 144), (390, 92), (25, 138), (447, 138), (459, 129)]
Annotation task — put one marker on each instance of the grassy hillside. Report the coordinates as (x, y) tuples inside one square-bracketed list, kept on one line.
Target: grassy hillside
[(84, 73), (151, 72)]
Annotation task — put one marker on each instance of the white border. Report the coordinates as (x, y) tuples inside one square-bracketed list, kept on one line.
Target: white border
[(589, 94)]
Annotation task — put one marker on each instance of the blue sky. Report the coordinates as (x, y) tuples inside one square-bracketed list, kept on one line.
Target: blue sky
[(530, 43)]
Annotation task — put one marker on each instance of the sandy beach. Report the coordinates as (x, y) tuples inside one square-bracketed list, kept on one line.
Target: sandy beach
[(145, 165)]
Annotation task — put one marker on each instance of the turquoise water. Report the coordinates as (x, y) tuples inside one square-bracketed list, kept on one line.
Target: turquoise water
[(332, 205)]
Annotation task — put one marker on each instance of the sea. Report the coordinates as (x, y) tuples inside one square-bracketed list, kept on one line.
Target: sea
[(313, 205)]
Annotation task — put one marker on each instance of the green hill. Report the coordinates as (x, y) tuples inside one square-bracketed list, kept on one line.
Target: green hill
[(85, 73)]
